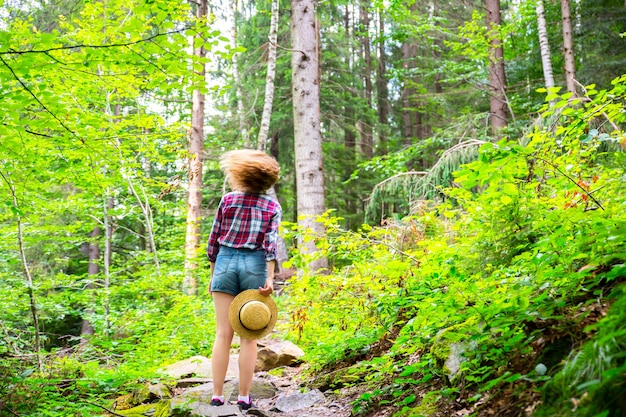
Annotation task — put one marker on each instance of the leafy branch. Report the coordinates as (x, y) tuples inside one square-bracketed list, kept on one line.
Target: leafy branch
[(111, 45), (29, 91), (557, 169)]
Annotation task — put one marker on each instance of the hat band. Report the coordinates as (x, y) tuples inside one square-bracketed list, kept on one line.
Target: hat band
[(247, 328)]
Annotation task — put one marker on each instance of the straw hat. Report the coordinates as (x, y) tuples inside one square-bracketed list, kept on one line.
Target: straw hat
[(252, 315)]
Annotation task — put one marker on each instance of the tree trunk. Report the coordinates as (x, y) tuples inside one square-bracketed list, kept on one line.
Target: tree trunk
[(93, 270), (497, 80), (269, 78), (281, 249), (27, 275), (408, 94), (365, 125), (307, 120), (349, 132), (544, 46), (194, 199), (568, 47), (108, 246), (382, 90), (231, 10), (411, 117)]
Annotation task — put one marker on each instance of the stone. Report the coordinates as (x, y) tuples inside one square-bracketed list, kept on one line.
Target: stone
[(199, 408), (274, 354), (298, 401), (261, 389), (199, 367)]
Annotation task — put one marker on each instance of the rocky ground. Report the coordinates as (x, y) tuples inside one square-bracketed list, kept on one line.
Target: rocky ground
[(293, 399)]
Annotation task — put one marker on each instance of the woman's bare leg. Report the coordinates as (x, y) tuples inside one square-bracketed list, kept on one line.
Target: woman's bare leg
[(223, 341), (247, 363)]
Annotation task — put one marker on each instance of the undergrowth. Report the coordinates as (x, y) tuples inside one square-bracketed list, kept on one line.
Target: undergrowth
[(495, 298), (506, 298)]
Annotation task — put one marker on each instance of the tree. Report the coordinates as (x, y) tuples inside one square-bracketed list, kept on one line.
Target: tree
[(231, 20), (305, 68), (196, 146), (568, 47), (269, 78), (544, 46), (497, 80), (382, 90), (365, 124)]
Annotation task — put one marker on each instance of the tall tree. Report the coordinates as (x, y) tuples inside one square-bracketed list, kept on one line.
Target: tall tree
[(231, 19), (365, 124), (269, 78), (382, 90), (281, 251), (411, 111), (196, 149), (305, 68), (568, 46), (544, 46), (497, 80)]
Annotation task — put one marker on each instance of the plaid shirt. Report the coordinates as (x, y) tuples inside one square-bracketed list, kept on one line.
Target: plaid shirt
[(245, 221)]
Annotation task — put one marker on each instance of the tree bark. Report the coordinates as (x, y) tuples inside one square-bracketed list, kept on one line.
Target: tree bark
[(382, 90), (544, 45), (194, 199), (568, 47), (231, 10), (307, 121), (29, 278), (269, 78), (365, 125), (411, 116), (93, 269), (497, 80), (281, 250), (349, 132)]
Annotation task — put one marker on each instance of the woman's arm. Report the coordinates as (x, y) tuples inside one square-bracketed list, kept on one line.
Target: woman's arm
[(268, 288)]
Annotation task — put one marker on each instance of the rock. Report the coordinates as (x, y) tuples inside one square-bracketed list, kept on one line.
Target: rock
[(199, 408), (298, 401), (455, 358), (160, 390), (274, 354), (199, 367), (192, 382), (261, 389)]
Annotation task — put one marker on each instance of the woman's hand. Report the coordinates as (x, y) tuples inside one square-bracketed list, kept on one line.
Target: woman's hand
[(268, 288)]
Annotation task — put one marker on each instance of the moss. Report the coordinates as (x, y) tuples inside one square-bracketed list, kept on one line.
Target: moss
[(427, 407), (160, 409), (457, 333)]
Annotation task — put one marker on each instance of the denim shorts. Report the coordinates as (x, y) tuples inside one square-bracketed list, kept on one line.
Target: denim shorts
[(237, 270)]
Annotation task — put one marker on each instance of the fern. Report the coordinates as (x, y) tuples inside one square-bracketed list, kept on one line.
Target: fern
[(415, 186)]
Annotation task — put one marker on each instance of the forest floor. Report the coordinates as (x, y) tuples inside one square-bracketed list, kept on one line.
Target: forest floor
[(334, 404)]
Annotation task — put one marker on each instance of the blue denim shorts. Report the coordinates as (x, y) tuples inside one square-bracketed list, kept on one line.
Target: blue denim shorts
[(237, 270)]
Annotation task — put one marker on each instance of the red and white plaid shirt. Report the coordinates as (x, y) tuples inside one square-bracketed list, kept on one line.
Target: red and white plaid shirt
[(247, 221)]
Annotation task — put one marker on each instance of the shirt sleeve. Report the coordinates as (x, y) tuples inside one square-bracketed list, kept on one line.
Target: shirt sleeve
[(213, 245), (271, 237)]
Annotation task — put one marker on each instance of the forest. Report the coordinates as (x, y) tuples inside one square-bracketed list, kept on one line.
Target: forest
[(453, 185)]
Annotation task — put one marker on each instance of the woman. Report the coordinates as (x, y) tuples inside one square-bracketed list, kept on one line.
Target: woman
[(242, 252)]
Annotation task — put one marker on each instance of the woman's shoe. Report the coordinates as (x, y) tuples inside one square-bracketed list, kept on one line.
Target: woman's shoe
[(244, 405), (216, 402)]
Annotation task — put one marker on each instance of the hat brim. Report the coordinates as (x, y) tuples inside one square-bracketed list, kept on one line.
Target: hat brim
[(238, 302)]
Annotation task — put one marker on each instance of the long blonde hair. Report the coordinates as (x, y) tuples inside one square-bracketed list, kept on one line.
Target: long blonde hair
[(250, 171)]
